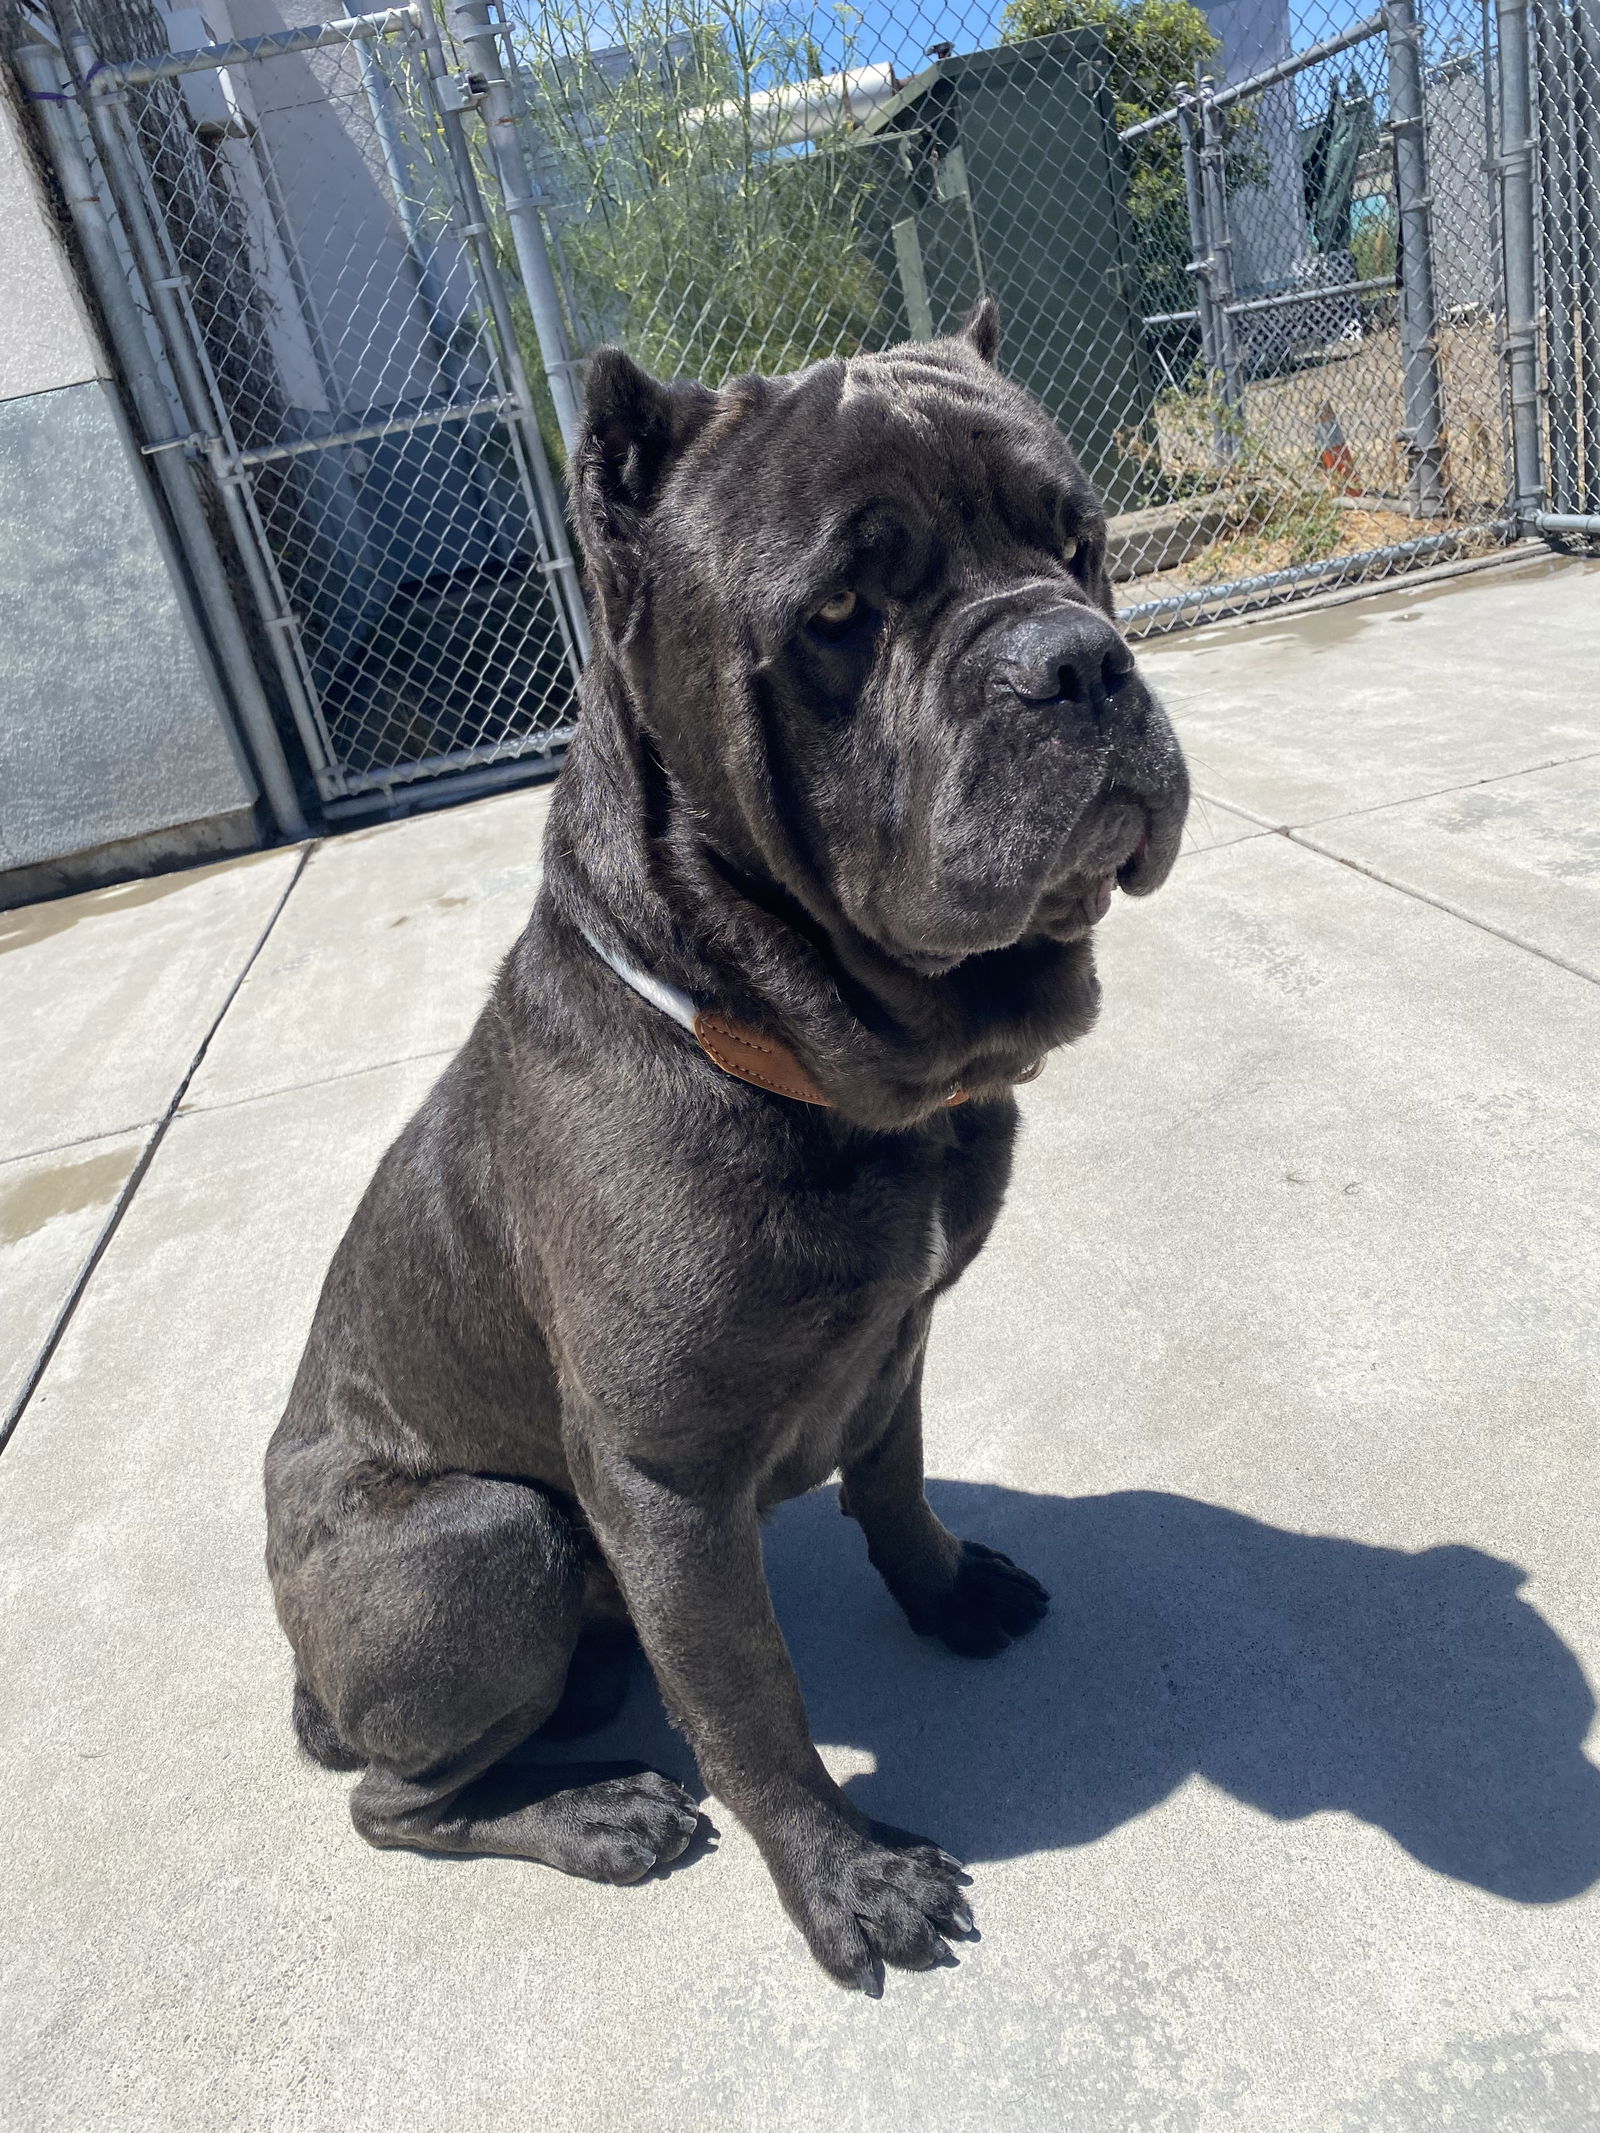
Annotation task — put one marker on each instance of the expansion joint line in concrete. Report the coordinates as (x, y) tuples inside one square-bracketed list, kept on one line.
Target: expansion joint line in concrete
[(1437, 792), (318, 1081), (1441, 903), (124, 1200), (1306, 843)]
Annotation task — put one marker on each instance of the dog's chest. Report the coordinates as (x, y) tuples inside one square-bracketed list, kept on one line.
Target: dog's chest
[(898, 1222), (936, 1257)]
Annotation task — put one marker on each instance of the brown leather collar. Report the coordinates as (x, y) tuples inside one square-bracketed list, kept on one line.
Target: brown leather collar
[(762, 1061), (737, 1049)]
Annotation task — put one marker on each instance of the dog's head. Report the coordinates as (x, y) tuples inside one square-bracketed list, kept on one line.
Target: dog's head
[(863, 616)]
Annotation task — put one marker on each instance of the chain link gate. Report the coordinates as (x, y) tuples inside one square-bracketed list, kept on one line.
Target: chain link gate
[(309, 242)]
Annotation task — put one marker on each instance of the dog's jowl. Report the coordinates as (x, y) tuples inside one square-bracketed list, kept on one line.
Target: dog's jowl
[(863, 758)]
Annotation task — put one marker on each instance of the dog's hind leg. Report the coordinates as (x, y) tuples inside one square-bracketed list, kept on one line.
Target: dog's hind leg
[(434, 1625), (612, 1827), (971, 1597)]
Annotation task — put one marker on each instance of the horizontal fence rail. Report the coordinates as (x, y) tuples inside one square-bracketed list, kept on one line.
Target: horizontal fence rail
[(108, 76)]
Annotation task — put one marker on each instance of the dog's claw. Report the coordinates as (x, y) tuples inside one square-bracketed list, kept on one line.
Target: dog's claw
[(869, 1979)]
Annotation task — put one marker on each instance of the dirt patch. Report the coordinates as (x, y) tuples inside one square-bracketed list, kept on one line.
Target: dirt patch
[(1363, 389)]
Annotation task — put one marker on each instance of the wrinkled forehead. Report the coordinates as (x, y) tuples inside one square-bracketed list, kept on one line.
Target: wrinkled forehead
[(796, 474)]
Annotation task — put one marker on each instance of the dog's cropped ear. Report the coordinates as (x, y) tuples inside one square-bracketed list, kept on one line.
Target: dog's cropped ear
[(634, 427), (982, 330)]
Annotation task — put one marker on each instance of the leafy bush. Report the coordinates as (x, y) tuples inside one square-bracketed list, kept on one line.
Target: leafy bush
[(684, 226)]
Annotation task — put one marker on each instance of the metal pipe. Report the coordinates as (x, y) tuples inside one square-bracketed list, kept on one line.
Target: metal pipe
[(470, 26), (530, 748), (1200, 268), (549, 520), (1282, 70), (1312, 293), (463, 412), (1421, 390), (222, 635), (1199, 249), (1557, 151), (535, 766), (1586, 105), (1516, 212), (805, 110), (1566, 522), (1497, 240), (111, 76), (1219, 249)]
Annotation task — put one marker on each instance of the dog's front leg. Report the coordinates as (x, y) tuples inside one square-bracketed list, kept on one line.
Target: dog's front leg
[(972, 1597), (688, 1560)]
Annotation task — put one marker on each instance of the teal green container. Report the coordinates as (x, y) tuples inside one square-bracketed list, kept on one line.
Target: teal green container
[(1000, 173)]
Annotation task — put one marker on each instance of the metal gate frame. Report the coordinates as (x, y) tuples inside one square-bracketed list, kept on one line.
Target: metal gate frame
[(182, 406)]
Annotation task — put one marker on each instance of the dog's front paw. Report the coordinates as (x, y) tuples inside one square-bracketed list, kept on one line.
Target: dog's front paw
[(861, 1904), (987, 1604)]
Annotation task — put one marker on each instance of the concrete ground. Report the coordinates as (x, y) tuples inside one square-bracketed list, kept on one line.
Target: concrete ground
[(1283, 1371)]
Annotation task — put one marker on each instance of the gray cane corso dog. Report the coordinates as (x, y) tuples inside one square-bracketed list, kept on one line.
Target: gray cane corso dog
[(862, 757)]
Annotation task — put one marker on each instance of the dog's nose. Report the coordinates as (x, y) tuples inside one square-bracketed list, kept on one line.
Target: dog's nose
[(1070, 656)]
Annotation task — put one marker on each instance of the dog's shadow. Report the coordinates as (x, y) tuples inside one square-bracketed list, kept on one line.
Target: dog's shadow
[(1418, 1692)]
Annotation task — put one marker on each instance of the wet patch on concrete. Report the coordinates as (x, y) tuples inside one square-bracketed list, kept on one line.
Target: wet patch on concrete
[(28, 1203), (27, 926)]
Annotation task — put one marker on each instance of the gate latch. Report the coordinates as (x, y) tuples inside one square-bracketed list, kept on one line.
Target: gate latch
[(461, 92)]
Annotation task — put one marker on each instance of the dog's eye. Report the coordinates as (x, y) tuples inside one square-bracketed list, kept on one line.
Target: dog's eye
[(832, 613)]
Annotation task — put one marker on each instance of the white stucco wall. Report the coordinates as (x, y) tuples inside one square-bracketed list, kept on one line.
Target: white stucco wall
[(109, 728), (45, 337)]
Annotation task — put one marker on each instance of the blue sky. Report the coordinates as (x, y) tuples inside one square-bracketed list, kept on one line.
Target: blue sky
[(901, 30)]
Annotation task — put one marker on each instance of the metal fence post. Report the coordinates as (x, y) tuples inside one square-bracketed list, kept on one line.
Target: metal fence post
[(1423, 430), (1516, 222), (1558, 263), (164, 438), (469, 24), (1219, 255), (1199, 268), (1586, 101)]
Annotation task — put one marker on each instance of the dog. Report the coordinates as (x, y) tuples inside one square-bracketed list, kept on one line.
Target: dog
[(862, 758)]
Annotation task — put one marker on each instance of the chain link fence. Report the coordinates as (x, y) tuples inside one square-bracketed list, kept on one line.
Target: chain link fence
[(1565, 51), (1249, 258), (1313, 290)]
